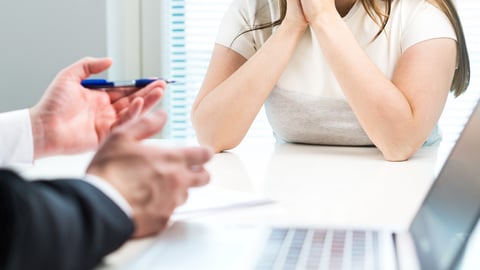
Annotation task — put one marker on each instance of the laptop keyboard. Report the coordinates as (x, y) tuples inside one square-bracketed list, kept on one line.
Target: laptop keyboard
[(299, 248)]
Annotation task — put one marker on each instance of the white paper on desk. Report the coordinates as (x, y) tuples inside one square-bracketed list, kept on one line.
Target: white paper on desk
[(211, 199)]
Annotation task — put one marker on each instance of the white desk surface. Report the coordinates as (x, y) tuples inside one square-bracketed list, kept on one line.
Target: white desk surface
[(319, 185)]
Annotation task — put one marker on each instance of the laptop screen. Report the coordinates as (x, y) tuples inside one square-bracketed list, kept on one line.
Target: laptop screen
[(452, 207)]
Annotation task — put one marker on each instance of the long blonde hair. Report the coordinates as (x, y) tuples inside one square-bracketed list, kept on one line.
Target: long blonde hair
[(461, 77)]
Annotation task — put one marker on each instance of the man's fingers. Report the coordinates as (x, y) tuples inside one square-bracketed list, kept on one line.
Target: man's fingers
[(129, 93), (145, 126), (151, 99), (87, 66), (133, 111), (196, 155), (201, 178), (121, 99), (158, 84)]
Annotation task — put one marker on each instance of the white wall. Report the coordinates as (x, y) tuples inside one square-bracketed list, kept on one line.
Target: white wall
[(38, 38), (136, 38)]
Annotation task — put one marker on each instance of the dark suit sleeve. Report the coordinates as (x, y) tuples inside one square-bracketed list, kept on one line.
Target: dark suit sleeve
[(57, 224)]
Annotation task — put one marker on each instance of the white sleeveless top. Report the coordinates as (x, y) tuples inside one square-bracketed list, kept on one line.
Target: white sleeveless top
[(307, 104)]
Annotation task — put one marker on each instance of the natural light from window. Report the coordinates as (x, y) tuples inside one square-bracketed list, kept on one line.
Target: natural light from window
[(200, 22)]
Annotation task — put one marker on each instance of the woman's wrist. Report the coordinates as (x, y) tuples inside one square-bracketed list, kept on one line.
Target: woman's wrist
[(325, 21), (293, 26)]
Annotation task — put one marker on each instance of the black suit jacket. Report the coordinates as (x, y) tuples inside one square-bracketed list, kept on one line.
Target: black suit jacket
[(57, 224)]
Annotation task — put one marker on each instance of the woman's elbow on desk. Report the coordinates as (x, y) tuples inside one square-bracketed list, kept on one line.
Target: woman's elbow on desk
[(217, 145), (398, 152), (218, 141)]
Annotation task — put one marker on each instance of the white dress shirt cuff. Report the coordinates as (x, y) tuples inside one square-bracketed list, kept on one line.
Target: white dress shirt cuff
[(16, 138), (110, 192)]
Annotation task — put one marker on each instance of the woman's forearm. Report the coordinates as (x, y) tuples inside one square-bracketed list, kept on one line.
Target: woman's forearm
[(228, 104), (398, 114)]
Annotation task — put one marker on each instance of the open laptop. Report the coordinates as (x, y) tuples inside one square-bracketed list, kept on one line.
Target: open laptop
[(435, 239)]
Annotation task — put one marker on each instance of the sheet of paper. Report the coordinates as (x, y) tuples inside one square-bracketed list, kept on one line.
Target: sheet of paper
[(211, 199)]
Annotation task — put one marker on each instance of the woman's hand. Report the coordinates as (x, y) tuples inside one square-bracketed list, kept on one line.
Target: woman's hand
[(315, 9), (295, 15)]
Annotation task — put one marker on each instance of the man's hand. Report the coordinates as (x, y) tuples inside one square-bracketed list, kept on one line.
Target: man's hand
[(153, 180), (71, 119)]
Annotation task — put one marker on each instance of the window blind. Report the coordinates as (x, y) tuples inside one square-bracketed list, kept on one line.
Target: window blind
[(193, 27), (457, 110)]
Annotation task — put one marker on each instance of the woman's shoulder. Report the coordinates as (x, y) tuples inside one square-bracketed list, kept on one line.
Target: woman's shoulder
[(417, 18), (255, 7), (414, 6), (412, 12), (250, 4)]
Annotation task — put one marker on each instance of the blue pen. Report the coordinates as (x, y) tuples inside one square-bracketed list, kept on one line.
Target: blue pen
[(105, 84)]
